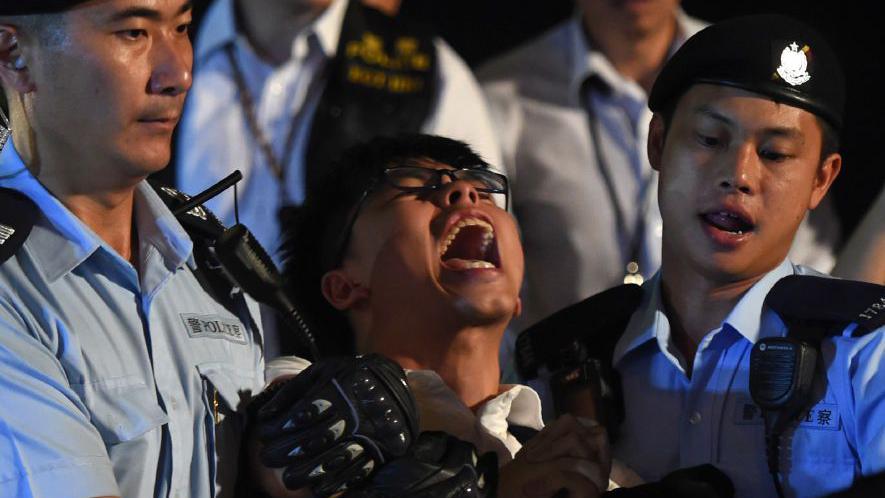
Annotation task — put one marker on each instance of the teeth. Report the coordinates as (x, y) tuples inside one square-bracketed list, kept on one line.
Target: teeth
[(464, 264), (479, 264), (467, 222)]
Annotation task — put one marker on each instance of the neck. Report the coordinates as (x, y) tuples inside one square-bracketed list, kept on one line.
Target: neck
[(696, 303), (636, 55), (271, 25), (466, 359), (105, 208), (22, 135), (110, 216), (103, 202)]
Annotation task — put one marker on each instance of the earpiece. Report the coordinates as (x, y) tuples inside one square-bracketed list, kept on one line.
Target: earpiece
[(18, 64)]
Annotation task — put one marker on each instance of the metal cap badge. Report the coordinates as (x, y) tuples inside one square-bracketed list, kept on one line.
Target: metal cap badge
[(772, 55)]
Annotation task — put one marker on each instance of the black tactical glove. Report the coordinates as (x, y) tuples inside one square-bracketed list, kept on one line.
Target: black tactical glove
[(336, 422), (703, 481), (437, 466)]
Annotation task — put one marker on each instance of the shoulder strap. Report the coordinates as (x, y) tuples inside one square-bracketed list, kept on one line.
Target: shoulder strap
[(18, 213), (815, 307), (590, 328), (382, 81)]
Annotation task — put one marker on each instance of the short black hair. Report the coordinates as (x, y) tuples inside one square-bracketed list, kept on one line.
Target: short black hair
[(311, 231)]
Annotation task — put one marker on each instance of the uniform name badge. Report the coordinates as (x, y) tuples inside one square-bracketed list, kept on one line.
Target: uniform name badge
[(213, 327), (822, 416)]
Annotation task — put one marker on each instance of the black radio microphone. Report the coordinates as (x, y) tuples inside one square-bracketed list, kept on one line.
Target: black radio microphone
[(209, 193), (243, 259), (251, 267), (781, 378)]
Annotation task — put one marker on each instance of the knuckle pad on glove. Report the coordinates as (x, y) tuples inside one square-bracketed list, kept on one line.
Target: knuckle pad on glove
[(363, 401), (437, 466)]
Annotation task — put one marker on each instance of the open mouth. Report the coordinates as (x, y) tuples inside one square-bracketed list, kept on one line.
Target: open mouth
[(470, 244), (728, 221)]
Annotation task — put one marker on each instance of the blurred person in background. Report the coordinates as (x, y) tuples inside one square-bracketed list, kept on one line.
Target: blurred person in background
[(863, 257), (282, 86)]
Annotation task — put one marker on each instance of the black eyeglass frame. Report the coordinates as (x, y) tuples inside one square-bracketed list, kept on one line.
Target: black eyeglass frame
[(383, 179)]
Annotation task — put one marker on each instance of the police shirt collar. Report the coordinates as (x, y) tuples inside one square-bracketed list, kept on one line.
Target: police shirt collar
[(158, 227), (11, 164), (61, 242), (746, 316), (650, 321), (221, 18)]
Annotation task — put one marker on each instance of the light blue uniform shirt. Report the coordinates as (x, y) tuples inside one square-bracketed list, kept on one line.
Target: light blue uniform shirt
[(674, 421), (108, 375)]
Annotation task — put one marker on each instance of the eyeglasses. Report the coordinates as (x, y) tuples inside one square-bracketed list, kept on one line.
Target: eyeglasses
[(420, 180)]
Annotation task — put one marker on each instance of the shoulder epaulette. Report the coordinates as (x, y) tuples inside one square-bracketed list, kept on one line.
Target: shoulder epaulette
[(18, 213), (812, 299), (204, 228), (198, 222), (595, 323)]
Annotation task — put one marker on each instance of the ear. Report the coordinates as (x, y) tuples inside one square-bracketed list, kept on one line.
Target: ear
[(13, 65), (518, 309), (826, 174), (657, 132), (341, 291)]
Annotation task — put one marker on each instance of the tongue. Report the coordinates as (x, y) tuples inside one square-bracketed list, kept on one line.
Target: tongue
[(726, 223), (468, 245)]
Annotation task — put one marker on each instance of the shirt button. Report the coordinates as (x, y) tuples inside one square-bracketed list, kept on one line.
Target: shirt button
[(695, 418)]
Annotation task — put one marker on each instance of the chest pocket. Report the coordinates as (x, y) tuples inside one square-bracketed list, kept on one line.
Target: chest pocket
[(122, 409), (226, 391), (820, 436)]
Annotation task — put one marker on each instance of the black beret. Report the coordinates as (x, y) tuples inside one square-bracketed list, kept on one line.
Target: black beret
[(24, 7), (771, 55)]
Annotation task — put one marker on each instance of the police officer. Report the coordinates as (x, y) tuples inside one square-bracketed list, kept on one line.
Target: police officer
[(120, 375), (717, 356), (126, 360), (745, 137)]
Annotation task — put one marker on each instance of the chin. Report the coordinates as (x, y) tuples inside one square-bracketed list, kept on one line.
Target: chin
[(148, 162), (733, 267), (484, 311)]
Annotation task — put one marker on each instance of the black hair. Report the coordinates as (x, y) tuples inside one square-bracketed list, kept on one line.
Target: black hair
[(311, 231)]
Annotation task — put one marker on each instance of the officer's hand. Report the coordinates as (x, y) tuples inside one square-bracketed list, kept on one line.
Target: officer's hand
[(331, 426), (437, 466), (570, 454)]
